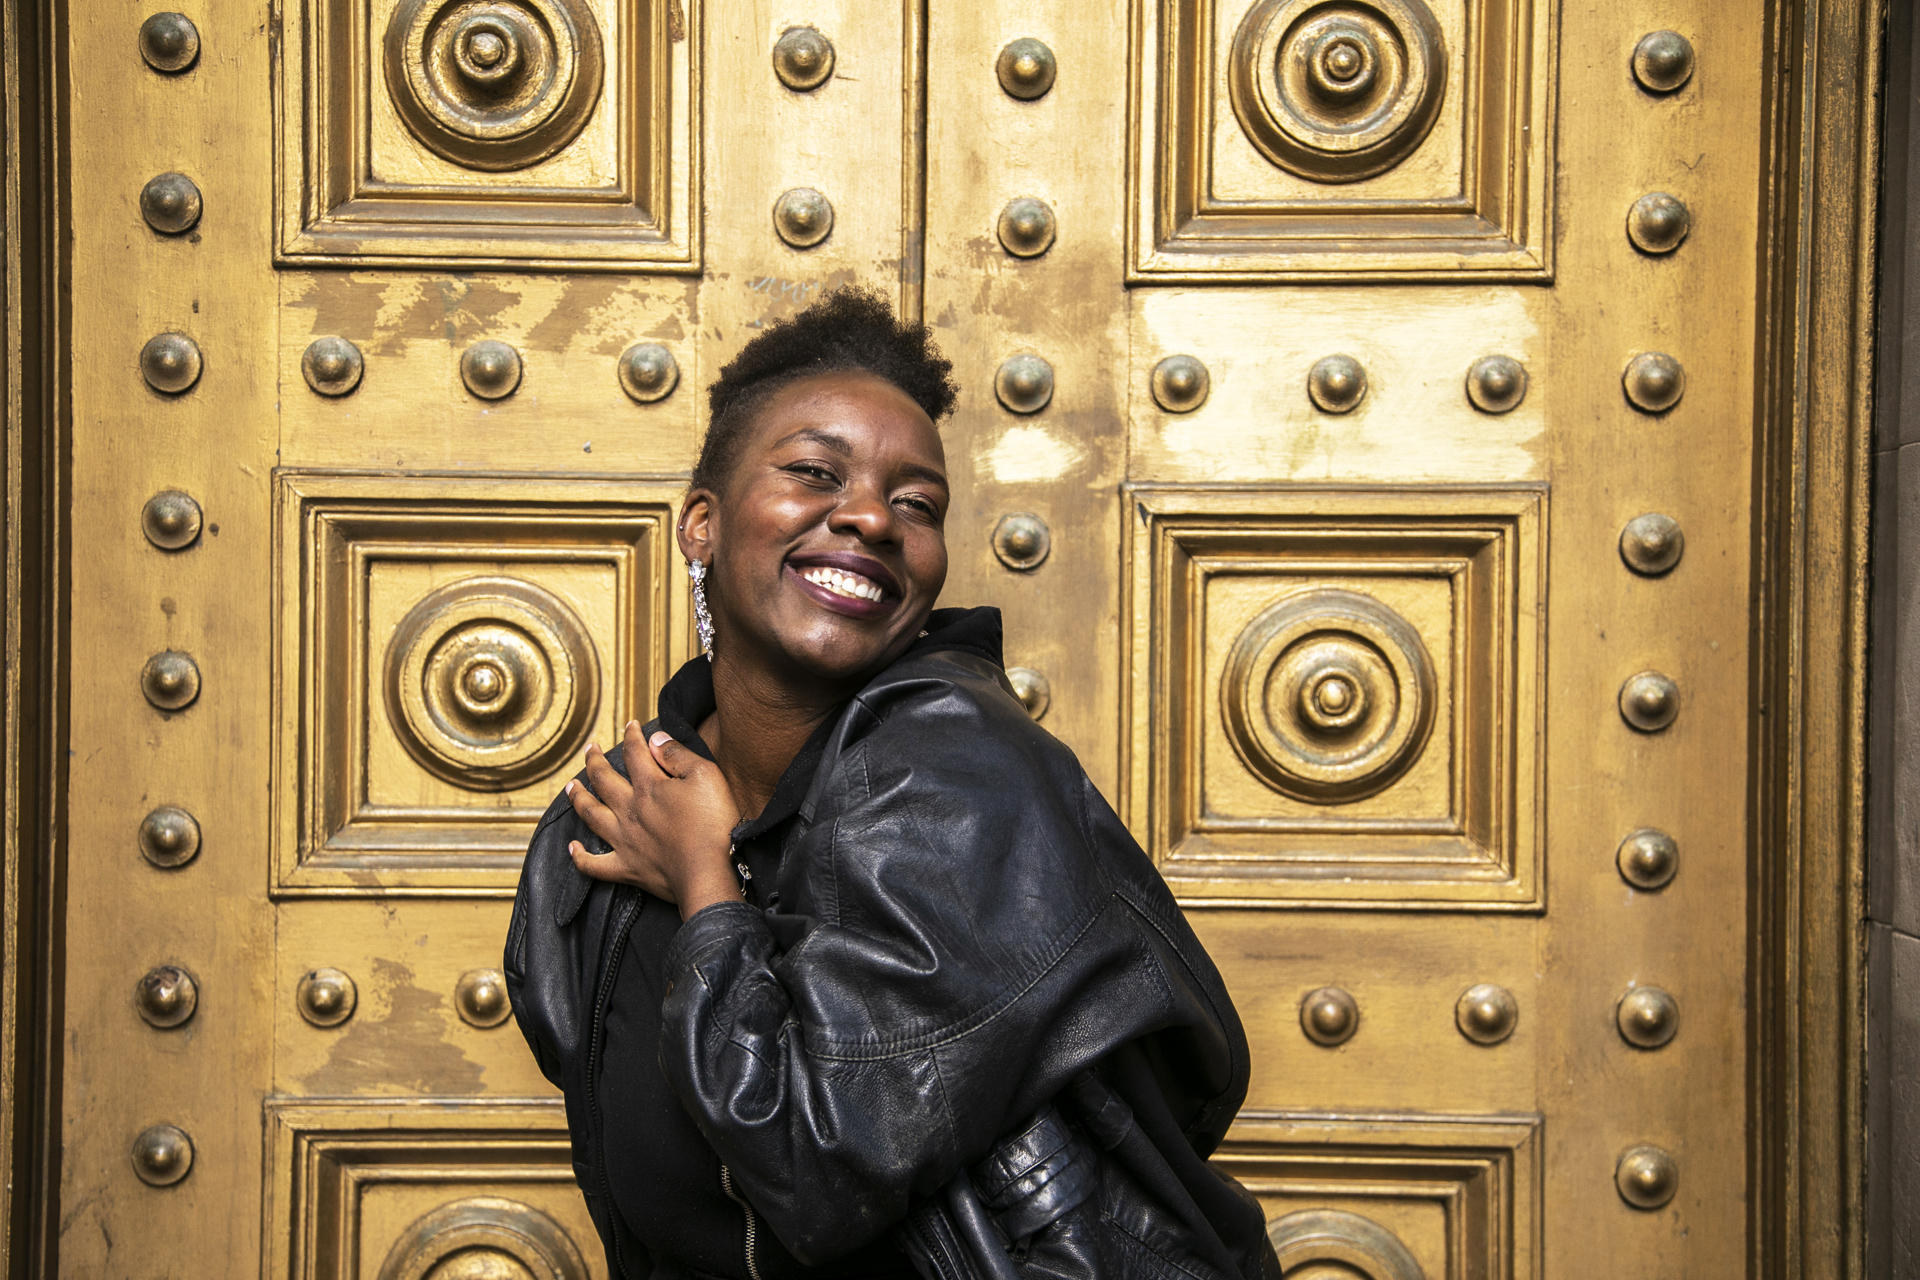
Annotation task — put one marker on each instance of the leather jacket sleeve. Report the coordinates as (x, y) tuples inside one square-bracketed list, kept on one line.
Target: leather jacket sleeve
[(965, 927)]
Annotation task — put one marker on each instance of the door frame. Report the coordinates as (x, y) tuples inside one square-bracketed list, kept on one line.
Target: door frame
[(1807, 781)]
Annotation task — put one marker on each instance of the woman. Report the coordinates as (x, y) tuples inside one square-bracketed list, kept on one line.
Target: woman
[(844, 967)]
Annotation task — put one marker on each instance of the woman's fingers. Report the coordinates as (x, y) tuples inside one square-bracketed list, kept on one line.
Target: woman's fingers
[(605, 779), (673, 758), (610, 866), (635, 746), (599, 819)]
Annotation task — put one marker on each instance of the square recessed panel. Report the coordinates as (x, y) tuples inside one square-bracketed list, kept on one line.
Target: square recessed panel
[(556, 133), (392, 1190), (1335, 694), (1365, 139), (1399, 1197), (447, 647)]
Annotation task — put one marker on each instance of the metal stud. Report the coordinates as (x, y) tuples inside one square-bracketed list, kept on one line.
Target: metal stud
[(1652, 544), (1648, 1017), (332, 366), (1654, 381), (1658, 222), (1180, 384), (162, 1155), (170, 680), (1646, 1176), (802, 58), (1648, 858), (1021, 540), (170, 362), (1024, 383), (1663, 61), (169, 837), (1026, 69), (169, 42), (481, 997), (326, 997), (171, 520), (166, 996), (1026, 227), (1486, 1013), (1496, 384), (1649, 701), (648, 372), (803, 217), (1035, 694), (1337, 383), (490, 369), (170, 203), (1329, 1016)]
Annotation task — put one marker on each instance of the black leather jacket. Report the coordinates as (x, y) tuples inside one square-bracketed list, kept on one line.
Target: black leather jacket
[(972, 1019)]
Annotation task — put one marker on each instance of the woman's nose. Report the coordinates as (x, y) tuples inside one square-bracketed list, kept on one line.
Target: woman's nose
[(865, 514)]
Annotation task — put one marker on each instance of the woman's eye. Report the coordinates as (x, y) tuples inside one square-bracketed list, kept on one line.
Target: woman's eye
[(811, 472), (924, 507)]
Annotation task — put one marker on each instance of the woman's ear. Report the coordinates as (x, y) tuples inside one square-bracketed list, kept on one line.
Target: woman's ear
[(696, 529)]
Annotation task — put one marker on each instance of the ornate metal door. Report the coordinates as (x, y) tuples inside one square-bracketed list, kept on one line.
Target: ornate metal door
[(1357, 433)]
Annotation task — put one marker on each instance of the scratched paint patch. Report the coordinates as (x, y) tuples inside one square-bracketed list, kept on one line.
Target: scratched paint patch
[(397, 1041), (1027, 455)]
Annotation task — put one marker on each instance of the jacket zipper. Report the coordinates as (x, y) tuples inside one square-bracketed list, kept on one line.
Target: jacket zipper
[(753, 1223), (622, 923)]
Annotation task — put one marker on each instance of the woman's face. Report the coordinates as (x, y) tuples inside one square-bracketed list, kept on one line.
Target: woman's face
[(827, 548)]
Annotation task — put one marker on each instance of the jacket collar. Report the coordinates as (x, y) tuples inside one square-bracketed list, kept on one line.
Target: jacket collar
[(687, 700)]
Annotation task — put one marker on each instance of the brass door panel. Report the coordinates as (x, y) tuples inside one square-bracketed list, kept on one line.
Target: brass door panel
[(1317, 362)]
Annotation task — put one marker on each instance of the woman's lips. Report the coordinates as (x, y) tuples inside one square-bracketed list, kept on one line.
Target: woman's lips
[(852, 606)]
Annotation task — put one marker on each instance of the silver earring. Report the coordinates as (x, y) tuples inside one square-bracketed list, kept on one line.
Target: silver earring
[(702, 620)]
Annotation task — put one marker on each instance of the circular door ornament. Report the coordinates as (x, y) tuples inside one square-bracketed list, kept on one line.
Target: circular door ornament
[(484, 1238), (494, 84), (491, 682), (1333, 1242), (1338, 91), (1328, 696)]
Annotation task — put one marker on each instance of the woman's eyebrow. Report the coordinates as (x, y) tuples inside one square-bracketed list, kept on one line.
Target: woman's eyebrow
[(825, 439), (928, 475)]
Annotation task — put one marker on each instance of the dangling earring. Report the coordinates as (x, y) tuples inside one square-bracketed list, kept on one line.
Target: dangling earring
[(702, 620)]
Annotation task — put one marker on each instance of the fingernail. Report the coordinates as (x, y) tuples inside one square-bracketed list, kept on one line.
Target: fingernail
[(661, 738), (632, 725), (570, 786)]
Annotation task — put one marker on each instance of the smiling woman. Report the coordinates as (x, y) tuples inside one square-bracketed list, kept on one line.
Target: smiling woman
[(842, 963)]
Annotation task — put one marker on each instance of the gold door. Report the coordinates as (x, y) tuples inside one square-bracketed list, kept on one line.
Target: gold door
[(1358, 434)]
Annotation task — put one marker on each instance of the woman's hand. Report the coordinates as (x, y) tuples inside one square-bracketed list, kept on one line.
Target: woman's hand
[(670, 822)]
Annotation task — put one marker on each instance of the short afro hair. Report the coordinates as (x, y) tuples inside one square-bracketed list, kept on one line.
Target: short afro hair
[(849, 329)]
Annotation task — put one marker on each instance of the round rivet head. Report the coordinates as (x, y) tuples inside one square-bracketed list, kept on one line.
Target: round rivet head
[(802, 217), (648, 372), (1026, 227), (1652, 544), (166, 996), (1648, 1017), (169, 42), (169, 837), (170, 362), (1180, 384), (171, 520), (1337, 383), (1654, 381), (332, 366), (1649, 701), (170, 203), (1021, 540), (481, 997), (490, 369), (1663, 61), (170, 680), (1496, 384), (802, 58), (162, 1155), (1486, 1013), (1648, 859), (1658, 222), (1646, 1176), (1035, 694), (1026, 69), (326, 997), (1329, 1016), (1024, 383)]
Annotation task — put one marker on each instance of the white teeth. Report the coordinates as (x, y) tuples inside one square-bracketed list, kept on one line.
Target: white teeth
[(843, 584)]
